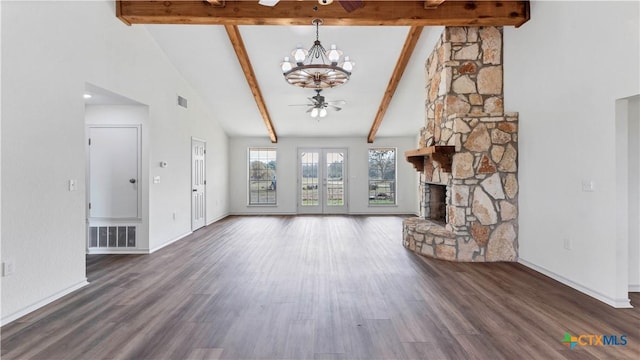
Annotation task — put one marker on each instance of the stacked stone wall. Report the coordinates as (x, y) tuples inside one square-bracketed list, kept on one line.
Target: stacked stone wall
[(464, 109)]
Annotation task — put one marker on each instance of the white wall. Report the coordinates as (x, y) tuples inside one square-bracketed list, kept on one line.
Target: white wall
[(357, 172), (50, 50), (564, 70), (634, 192)]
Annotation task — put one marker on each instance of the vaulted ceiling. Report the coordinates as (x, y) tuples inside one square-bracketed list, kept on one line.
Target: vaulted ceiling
[(225, 51)]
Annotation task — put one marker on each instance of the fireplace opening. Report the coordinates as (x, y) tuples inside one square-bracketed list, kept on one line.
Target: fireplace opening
[(436, 203)]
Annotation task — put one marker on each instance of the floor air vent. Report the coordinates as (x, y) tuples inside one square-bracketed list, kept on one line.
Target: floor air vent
[(112, 236)]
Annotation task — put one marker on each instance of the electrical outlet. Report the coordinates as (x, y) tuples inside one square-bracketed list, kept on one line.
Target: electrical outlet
[(567, 243), (8, 268), (588, 186)]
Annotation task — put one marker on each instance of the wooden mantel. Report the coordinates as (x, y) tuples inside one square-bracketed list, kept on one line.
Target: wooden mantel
[(442, 154)]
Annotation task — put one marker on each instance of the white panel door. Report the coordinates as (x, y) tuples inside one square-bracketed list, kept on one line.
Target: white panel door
[(322, 181), (114, 164), (198, 183)]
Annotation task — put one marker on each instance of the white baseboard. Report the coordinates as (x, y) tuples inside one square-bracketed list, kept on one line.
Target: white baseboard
[(151, 251), (217, 219), (634, 288), (616, 303), (112, 251), (35, 306), (264, 214)]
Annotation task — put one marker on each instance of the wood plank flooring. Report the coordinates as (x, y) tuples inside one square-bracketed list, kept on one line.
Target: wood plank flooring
[(314, 287)]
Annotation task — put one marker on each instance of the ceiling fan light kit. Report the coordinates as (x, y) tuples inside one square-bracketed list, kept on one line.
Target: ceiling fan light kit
[(317, 68), (318, 106), (321, 112)]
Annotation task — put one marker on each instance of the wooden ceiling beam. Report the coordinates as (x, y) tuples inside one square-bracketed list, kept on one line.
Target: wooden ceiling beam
[(243, 58), (288, 12), (401, 65)]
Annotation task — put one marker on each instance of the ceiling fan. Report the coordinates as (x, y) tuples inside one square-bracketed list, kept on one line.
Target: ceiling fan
[(348, 5), (318, 106)]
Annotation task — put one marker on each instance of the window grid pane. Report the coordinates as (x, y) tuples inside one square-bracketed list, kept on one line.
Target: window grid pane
[(262, 176), (382, 176)]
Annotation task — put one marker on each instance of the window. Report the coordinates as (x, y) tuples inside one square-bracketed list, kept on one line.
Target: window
[(382, 176), (262, 176)]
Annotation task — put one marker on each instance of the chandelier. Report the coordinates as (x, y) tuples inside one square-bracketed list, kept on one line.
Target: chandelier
[(317, 68)]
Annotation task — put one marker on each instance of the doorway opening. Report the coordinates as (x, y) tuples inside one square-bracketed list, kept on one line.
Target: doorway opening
[(628, 193), (115, 192)]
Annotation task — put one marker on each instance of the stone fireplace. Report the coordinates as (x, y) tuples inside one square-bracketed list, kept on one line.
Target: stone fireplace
[(467, 156)]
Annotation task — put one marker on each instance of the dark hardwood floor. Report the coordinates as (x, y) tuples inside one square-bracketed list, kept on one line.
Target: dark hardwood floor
[(314, 287)]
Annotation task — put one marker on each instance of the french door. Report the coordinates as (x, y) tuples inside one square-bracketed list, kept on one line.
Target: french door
[(322, 181)]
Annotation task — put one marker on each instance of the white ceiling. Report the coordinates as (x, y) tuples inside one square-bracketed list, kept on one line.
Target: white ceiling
[(100, 96), (204, 56)]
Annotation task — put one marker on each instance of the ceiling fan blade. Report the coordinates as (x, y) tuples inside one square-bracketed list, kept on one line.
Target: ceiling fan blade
[(301, 105), (337, 102), (336, 108), (310, 109), (351, 5), (268, 2)]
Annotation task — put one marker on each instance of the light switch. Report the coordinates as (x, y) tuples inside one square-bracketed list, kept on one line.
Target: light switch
[(588, 186), (72, 185), (8, 268), (156, 179)]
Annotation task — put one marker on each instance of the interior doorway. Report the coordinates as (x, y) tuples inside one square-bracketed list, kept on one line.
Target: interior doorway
[(322, 181), (113, 187), (116, 168), (198, 183), (628, 194), (633, 149)]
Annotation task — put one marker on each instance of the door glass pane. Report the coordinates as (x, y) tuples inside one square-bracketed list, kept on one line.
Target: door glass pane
[(335, 179), (309, 168)]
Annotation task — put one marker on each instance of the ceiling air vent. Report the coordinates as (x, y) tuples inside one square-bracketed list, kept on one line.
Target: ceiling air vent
[(182, 101)]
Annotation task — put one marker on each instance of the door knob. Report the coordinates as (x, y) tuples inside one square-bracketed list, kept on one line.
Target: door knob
[(194, 190), (133, 181)]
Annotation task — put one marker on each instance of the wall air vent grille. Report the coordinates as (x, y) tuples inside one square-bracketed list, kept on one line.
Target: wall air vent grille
[(182, 101), (112, 236)]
